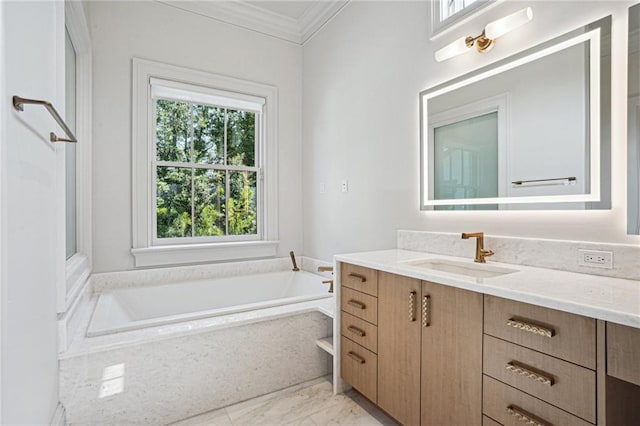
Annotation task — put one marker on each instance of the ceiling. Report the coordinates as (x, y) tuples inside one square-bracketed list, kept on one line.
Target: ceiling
[(294, 21)]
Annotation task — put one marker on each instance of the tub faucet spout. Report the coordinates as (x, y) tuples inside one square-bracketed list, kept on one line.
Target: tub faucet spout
[(293, 261)]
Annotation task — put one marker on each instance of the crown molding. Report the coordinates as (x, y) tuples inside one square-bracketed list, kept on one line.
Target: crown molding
[(316, 16), (261, 20)]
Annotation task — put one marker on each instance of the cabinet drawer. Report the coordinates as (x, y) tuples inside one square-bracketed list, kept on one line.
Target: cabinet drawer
[(504, 404), (359, 278), (359, 304), (623, 353), (360, 331), (570, 387), (561, 334), (359, 368)]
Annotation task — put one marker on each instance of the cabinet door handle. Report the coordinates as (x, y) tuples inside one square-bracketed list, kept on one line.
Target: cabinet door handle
[(531, 328), (525, 417), (426, 311), (412, 306), (356, 304), (356, 357), (520, 369), (356, 330), (362, 278)]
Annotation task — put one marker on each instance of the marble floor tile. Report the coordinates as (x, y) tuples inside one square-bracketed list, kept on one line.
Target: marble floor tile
[(309, 404), (212, 418)]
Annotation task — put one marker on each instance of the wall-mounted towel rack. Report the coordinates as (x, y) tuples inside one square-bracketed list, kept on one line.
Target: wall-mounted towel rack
[(554, 181), (18, 104)]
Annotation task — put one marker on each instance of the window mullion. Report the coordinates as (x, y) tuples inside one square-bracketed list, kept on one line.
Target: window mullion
[(193, 173), (226, 175)]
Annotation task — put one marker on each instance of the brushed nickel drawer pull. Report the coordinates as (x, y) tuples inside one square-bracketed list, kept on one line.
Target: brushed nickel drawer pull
[(524, 371), (356, 330), (412, 306), (362, 278), (426, 311), (356, 357), (525, 417), (531, 328), (356, 304)]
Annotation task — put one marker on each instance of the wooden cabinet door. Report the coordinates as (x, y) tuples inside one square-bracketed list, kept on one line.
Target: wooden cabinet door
[(451, 356), (399, 347)]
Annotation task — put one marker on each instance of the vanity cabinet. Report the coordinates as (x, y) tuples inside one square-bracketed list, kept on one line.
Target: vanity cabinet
[(399, 334), (433, 354), (358, 329), (623, 353), (539, 364), (451, 356), (429, 352)]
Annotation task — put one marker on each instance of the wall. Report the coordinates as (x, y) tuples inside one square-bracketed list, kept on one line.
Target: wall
[(33, 67), (362, 74), (154, 31)]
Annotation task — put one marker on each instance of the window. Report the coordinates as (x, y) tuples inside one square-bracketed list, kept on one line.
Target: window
[(74, 167), (204, 166), (451, 7), (446, 14), (71, 245)]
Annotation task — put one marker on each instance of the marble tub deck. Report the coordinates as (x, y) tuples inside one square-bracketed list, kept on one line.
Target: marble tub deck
[(310, 403)]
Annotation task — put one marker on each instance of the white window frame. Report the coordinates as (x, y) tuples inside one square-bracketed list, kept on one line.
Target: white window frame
[(174, 91), (151, 251), (75, 271), (438, 27)]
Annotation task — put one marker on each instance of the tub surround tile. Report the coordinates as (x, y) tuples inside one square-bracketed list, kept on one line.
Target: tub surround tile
[(142, 277), (310, 264), (605, 298), (83, 345), (552, 254), (70, 321), (167, 380)]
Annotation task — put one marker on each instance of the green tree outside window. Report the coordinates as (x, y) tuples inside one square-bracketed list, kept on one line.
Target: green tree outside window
[(199, 190)]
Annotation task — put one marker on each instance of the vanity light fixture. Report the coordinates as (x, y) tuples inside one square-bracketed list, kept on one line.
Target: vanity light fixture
[(486, 40)]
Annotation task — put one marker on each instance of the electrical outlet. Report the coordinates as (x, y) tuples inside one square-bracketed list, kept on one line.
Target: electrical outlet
[(595, 258), (344, 186)]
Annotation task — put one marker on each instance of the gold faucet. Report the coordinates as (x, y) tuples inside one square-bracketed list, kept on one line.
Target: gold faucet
[(481, 253), (327, 269)]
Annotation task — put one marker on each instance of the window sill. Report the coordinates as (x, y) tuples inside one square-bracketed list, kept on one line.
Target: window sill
[(198, 253)]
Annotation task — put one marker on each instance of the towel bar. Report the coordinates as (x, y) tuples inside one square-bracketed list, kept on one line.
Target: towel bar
[(18, 104)]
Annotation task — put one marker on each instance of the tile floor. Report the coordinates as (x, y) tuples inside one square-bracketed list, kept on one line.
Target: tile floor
[(311, 403)]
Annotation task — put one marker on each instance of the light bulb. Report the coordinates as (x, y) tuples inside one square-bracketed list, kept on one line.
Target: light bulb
[(455, 48), (498, 28)]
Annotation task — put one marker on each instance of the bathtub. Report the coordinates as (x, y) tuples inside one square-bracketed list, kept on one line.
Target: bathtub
[(134, 308)]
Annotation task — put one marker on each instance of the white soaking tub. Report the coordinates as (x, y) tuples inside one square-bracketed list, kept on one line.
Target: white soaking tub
[(140, 307)]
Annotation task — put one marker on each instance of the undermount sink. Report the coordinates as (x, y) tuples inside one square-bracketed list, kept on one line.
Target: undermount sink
[(474, 270)]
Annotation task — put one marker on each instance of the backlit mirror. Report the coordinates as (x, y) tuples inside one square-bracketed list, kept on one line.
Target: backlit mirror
[(633, 137), (528, 132)]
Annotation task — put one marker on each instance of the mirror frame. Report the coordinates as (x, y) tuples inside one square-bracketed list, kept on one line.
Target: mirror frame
[(598, 40)]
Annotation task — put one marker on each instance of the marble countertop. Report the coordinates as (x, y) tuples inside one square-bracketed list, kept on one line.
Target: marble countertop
[(610, 299)]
